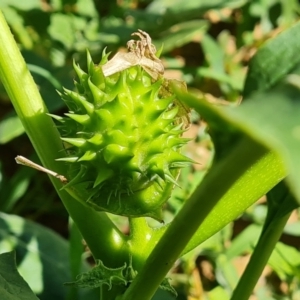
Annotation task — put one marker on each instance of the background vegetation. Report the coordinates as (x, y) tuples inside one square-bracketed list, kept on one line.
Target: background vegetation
[(208, 44)]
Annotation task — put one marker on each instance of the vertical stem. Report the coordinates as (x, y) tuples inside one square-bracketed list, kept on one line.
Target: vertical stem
[(140, 235), (101, 235), (259, 258)]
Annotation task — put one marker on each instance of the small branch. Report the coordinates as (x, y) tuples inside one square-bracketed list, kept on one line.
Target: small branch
[(28, 163)]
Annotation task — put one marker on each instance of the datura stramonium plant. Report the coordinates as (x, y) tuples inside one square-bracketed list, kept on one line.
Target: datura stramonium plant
[(124, 133)]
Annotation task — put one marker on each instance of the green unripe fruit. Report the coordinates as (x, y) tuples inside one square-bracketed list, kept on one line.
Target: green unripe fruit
[(123, 141)]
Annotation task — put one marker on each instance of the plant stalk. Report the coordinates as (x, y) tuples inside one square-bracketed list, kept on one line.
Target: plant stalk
[(101, 235), (259, 258)]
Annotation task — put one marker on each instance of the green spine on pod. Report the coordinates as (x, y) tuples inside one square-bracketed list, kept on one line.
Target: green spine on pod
[(123, 140)]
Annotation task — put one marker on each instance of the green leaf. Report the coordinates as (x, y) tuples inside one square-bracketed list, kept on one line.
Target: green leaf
[(285, 261), (292, 228), (111, 277), (189, 8), (220, 65), (12, 285), (218, 293), (13, 188), (10, 128), (227, 129), (273, 118), (244, 242), (161, 15), (217, 75), (273, 61), (100, 275), (86, 8), (163, 295), (226, 272), (181, 34), (214, 54), (61, 29), (22, 5), (165, 285), (37, 249), (42, 256)]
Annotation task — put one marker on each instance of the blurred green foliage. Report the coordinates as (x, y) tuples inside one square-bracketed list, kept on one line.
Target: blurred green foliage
[(206, 43)]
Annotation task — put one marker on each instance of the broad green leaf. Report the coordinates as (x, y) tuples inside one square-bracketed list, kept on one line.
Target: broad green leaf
[(244, 242), (213, 52), (12, 285), (274, 113), (218, 293), (285, 261), (263, 293), (10, 128), (227, 130), (220, 65), (163, 295), (86, 8), (13, 188), (42, 256), (289, 13), (161, 15), (22, 5), (273, 118), (273, 61), (219, 76), (226, 273), (292, 228), (62, 30), (272, 123), (192, 7), (181, 34)]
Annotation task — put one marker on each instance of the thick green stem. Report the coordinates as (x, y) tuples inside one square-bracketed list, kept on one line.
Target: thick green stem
[(193, 213), (140, 235), (102, 237), (259, 258)]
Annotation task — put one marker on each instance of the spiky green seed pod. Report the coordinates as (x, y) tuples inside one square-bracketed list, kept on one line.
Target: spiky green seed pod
[(124, 140)]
